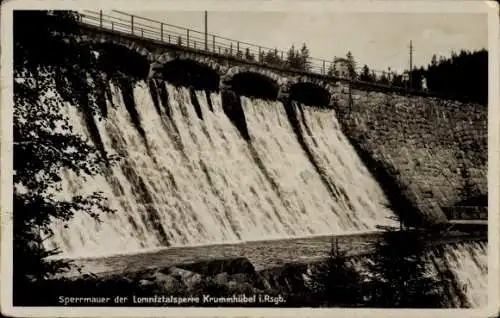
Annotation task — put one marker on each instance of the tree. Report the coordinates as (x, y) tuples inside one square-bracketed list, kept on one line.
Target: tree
[(416, 78), (365, 74), (399, 276), (351, 65), (463, 74), (298, 60), (383, 79), (397, 80), (433, 60), (291, 59), (44, 142), (303, 57), (272, 57), (336, 282)]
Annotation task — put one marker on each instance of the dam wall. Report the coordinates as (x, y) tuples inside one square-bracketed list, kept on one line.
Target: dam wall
[(274, 153), (433, 150)]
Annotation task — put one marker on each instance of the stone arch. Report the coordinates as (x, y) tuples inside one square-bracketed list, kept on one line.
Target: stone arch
[(97, 40), (254, 69), (311, 91), (207, 61), (181, 70), (124, 56), (253, 82)]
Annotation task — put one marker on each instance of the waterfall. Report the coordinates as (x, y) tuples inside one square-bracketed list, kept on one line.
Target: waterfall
[(464, 266), (187, 177)]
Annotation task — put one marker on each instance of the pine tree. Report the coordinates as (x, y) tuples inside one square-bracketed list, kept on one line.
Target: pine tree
[(304, 58), (434, 60), (291, 59), (351, 65), (279, 60), (336, 282), (399, 274), (397, 80), (272, 58), (464, 74), (365, 74), (383, 79)]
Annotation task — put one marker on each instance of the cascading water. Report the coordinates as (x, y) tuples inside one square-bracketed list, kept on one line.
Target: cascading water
[(339, 164), (186, 180), (465, 267)]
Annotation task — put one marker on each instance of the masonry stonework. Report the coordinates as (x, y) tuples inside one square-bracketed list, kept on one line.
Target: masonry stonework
[(434, 148)]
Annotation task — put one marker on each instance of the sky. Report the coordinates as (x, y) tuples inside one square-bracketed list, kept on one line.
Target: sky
[(380, 40)]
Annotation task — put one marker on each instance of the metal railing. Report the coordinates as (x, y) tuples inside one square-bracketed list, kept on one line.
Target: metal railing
[(176, 35)]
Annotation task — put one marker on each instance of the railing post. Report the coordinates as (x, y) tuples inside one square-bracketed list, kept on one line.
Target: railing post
[(219, 50), (260, 56), (237, 47), (132, 24), (142, 32), (100, 19), (112, 27), (213, 42), (282, 56), (194, 44), (323, 72), (187, 42), (161, 31), (169, 38), (231, 49)]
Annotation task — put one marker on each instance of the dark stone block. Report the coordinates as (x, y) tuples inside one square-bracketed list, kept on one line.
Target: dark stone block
[(214, 267)]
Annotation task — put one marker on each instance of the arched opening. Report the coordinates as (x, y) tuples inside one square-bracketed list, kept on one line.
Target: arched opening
[(310, 94), (189, 73), (113, 57), (254, 85)]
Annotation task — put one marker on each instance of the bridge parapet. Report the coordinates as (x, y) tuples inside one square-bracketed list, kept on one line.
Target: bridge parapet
[(163, 55)]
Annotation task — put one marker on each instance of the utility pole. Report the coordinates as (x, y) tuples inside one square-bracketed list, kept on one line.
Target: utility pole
[(411, 65), (206, 32)]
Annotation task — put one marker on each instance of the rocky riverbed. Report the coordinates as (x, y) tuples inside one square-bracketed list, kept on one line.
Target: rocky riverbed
[(237, 281)]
